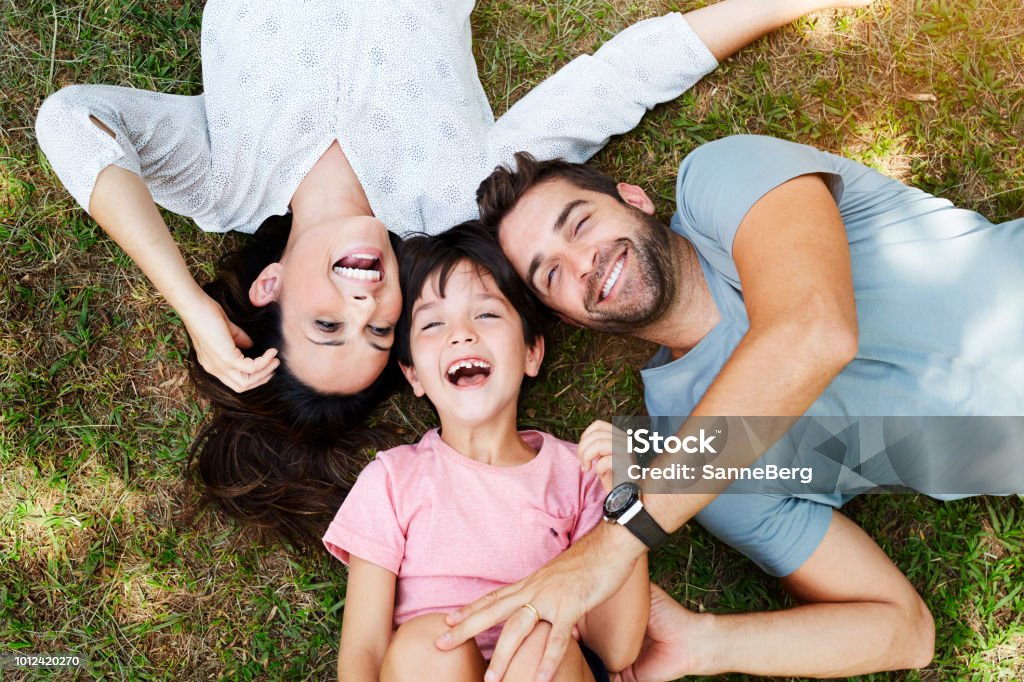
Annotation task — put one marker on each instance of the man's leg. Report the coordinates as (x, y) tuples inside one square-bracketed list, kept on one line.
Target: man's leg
[(858, 614), (727, 26)]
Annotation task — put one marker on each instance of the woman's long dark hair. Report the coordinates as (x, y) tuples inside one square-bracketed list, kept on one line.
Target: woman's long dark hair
[(281, 456)]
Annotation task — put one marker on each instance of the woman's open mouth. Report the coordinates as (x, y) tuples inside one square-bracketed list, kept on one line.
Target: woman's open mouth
[(363, 266), (468, 372)]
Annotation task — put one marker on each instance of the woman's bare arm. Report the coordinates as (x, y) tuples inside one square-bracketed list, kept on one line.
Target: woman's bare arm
[(124, 208)]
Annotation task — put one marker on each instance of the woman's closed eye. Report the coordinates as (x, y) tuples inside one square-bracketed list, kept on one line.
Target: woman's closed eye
[(379, 331), (325, 326), (429, 325)]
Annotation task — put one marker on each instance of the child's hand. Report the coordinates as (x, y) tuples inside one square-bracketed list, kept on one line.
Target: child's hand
[(595, 450)]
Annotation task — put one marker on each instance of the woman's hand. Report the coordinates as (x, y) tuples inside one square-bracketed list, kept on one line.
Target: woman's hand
[(575, 582), (596, 448), (124, 208), (218, 341)]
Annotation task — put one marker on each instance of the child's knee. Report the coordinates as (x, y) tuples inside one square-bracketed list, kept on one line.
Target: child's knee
[(526, 660), (412, 651)]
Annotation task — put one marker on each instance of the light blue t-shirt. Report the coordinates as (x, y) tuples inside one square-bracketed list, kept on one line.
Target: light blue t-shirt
[(940, 311)]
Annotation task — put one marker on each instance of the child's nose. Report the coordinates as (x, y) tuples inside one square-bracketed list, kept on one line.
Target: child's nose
[(462, 333)]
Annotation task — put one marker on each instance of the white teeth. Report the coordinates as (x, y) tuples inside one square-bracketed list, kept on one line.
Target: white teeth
[(354, 273), (467, 364), (614, 277), (363, 255)]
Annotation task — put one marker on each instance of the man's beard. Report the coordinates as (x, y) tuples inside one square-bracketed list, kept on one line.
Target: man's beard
[(655, 276)]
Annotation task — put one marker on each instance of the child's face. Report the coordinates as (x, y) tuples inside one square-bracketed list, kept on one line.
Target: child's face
[(468, 352)]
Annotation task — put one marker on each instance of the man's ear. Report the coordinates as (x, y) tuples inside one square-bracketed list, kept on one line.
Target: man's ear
[(534, 357), (410, 376), (267, 286), (636, 197)]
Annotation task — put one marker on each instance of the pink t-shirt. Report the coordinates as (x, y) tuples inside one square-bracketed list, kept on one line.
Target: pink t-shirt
[(453, 529)]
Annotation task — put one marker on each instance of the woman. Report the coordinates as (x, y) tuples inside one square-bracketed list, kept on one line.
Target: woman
[(358, 118)]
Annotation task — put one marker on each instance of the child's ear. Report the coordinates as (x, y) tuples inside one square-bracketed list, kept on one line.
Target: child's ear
[(267, 286), (534, 357), (410, 376)]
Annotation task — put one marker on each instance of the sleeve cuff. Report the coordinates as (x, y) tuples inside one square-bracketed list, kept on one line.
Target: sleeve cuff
[(663, 55), (342, 542)]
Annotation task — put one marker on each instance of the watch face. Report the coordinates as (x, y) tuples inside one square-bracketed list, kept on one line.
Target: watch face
[(620, 499)]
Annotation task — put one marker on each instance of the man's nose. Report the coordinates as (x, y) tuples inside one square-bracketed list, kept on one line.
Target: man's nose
[(584, 261)]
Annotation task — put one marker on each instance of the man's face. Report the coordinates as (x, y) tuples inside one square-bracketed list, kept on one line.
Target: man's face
[(596, 261)]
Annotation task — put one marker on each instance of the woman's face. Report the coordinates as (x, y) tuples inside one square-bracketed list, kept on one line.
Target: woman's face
[(338, 289)]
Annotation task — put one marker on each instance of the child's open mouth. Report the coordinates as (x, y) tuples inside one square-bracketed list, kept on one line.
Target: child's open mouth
[(468, 372), (362, 266)]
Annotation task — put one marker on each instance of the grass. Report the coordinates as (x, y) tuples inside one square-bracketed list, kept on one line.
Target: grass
[(105, 550)]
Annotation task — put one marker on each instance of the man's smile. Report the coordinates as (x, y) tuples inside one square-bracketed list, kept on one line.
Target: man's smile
[(613, 277)]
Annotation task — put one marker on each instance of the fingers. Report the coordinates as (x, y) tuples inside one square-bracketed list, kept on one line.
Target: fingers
[(239, 336), (595, 443), (456, 617), (251, 381), (482, 614), (558, 643), (240, 373), (240, 363), (516, 630), (599, 425)]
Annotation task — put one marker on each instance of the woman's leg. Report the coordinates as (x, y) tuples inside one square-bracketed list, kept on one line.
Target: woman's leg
[(727, 26), (523, 666), (413, 656)]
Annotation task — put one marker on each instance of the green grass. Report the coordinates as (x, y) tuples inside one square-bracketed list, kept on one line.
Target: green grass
[(104, 548)]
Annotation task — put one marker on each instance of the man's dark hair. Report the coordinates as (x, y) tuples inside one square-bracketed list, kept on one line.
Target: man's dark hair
[(423, 257), (499, 193)]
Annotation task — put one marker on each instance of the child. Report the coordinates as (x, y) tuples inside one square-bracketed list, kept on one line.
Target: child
[(473, 506)]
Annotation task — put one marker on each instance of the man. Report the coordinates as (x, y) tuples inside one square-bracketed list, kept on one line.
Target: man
[(792, 282)]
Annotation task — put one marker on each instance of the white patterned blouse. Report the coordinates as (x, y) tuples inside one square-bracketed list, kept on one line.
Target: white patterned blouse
[(395, 83)]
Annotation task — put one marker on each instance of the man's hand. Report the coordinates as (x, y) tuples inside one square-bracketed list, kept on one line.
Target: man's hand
[(595, 450), (562, 591), (669, 644), (218, 342)]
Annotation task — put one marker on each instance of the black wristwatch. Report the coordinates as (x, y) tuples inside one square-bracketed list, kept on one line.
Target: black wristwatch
[(623, 506)]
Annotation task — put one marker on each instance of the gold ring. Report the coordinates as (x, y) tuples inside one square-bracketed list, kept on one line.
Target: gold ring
[(536, 613)]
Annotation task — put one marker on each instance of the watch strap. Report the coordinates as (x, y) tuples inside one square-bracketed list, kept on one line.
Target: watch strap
[(647, 529)]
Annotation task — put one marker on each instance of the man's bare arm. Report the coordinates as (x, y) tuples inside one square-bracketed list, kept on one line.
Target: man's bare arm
[(793, 259)]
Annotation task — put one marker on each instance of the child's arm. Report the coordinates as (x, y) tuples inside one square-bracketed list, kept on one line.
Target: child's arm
[(615, 629), (366, 624)]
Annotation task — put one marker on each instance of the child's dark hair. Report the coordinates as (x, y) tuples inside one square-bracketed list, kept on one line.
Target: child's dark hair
[(424, 256)]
